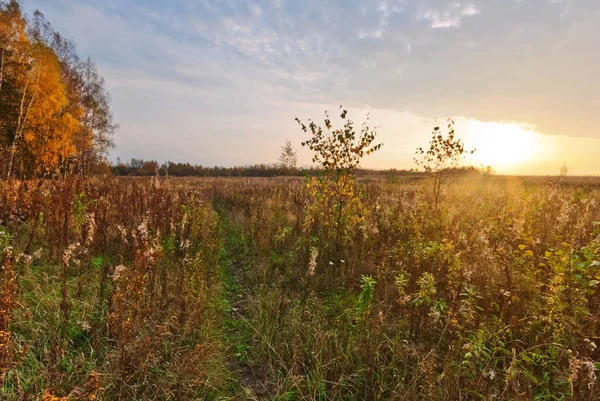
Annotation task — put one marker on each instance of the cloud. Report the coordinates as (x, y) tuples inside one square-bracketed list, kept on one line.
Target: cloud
[(443, 19), (376, 34), (215, 70), (469, 11), (450, 15)]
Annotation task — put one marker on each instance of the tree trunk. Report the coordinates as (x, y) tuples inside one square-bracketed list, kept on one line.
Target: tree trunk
[(2, 69), (20, 127)]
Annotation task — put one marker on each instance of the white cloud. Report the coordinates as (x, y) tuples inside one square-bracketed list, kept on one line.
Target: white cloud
[(470, 10), (441, 19), (449, 17), (376, 34)]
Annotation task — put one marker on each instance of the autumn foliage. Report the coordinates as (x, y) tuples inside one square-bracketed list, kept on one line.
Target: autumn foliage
[(55, 117)]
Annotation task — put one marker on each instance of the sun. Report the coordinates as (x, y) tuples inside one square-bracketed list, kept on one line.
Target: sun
[(503, 145)]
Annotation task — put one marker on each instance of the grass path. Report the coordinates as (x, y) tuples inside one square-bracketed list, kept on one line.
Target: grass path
[(235, 260)]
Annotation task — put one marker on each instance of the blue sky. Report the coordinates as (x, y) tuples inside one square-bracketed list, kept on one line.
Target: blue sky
[(220, 82)]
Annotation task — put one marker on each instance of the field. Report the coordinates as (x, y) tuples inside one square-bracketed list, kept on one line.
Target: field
[(284, 289)]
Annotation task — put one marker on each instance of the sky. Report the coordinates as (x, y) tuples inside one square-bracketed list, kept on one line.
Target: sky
[(219, 82)]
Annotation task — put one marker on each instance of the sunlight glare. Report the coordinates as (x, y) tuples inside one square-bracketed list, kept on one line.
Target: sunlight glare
[(503, 145)]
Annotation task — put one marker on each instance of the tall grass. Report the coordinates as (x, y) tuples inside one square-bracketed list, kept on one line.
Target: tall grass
[(117, 286), (492, 297), (266, 289)]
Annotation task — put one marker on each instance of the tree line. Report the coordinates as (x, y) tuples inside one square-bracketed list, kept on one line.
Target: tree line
[(140, 167), (146, 168), (55, 116)]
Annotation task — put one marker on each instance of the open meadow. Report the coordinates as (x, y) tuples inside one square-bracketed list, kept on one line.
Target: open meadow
[(246, 289), (256, 200)]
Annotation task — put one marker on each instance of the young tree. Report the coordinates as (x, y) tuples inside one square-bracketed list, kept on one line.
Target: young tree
[(98, 126), (339, 152), (287, 158), (488, 170), (442, 158), (564, 170)]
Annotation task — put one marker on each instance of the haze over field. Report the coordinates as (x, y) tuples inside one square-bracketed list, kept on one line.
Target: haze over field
[(220, 82)]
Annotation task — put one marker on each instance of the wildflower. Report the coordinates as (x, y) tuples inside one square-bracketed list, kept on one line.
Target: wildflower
[(590, 344), (91, 229), (579, 368), (69, 253), (468, 275), (312, 264), (119, 270), (143, 230), (37, 254), (123, 233), (26, 259), (182, 227)]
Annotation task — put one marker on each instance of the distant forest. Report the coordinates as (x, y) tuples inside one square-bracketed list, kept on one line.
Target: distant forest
[(139, 167)]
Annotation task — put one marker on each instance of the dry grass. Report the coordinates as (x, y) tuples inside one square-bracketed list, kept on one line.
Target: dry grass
[(261, 289)]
